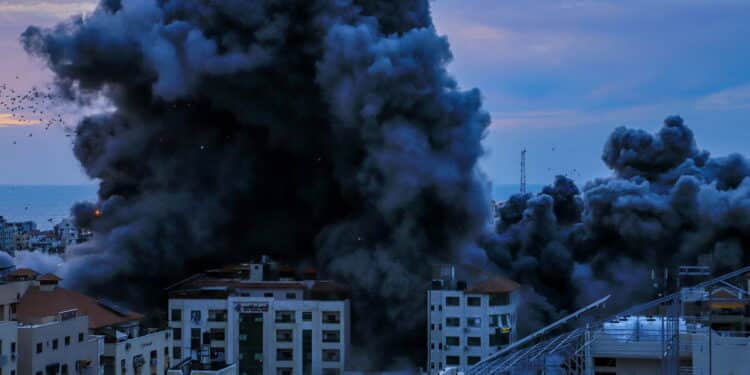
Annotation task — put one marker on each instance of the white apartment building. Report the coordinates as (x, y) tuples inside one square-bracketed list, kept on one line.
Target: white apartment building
[(12, 287), (8, 234), (467, 323), (258, 318), (8, 348), (45, 308), (148, 353), (58, 345), (67, 232)]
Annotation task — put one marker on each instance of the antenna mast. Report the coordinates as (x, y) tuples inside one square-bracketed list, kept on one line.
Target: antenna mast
[(523, 171)]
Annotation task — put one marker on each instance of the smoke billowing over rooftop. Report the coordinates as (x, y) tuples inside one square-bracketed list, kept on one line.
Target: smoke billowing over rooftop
[(329, 132), (316, 131), (667, 203)]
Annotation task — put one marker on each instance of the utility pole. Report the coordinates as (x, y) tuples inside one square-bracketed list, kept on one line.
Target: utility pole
[(523, 171)]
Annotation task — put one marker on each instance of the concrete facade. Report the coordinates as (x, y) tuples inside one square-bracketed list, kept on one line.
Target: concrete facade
[(61, 346), (466, 323), (460, 335), (147, 354), (264, 318), (283, 325), (8, 348)]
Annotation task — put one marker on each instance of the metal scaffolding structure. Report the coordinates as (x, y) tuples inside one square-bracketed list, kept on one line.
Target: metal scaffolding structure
[(569, 353)]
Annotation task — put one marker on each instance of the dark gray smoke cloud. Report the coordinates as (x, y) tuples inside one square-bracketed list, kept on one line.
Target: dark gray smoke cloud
[(667, 203), (314, 130)]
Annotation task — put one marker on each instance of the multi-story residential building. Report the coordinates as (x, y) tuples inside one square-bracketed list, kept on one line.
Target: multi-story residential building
[(8, 234), (67, 232), (58, 344), (262, 318), (12, 287), (467, 323), (8, 347), (45, 308)]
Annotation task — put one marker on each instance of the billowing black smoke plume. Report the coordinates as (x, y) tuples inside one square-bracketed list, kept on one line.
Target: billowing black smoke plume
[(666, 204), (321, 131)]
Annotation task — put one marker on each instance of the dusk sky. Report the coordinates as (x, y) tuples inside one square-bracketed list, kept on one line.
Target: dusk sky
[(557, 77)]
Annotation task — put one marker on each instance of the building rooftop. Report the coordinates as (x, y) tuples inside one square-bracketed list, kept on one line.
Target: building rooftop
[(38, 303), (497, 284), (22, 273), (230, 280), (49, 278)]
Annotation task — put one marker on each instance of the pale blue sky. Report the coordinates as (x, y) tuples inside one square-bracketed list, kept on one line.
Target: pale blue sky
[(557, 77)]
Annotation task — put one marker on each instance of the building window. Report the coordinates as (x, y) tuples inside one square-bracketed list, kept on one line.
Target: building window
[(283, 371), (307, 316), (440, 307), (605, 362), (177, 333), (195, 315), (474, 322), (64, 369), (474, 301), (177, 352), (494, 320), (452, 341), (195, 338), (55, 344), (176, 315), (284, 335), (473, 360), (291, 295), (218, 355), (452, 322), (284, 354), (331, 336), (432, 326), (39, 347), (452, 360), (80, 337), (440, 345), (217, 315), (440, 326), (12, 347), (452, 301), (499, 299), (331, 371), (499, 339), (331, 317), (268, 295), (432, 307), (285, 317), (432, 345), (217, 334), (331, 355), (474, 341), (67, 340)]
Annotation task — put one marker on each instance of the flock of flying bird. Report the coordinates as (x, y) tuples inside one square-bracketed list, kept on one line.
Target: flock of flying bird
[(35, 106)]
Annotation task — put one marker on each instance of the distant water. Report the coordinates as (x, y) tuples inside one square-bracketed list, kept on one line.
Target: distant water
[(42, 203), (503, 192)]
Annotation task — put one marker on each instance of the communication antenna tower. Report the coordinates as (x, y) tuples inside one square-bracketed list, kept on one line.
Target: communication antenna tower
[(523, 171)]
